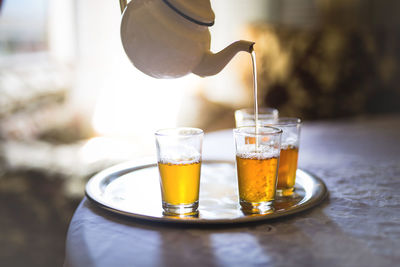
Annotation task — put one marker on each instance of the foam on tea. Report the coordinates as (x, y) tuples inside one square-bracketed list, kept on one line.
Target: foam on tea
[(262, 152), (180, 154)]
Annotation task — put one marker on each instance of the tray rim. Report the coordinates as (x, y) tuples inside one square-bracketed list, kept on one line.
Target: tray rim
[(126, 167)]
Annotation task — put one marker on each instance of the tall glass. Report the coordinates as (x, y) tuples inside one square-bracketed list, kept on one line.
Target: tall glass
[(257, 157), (245, 117), (179, 164), (289, 154)]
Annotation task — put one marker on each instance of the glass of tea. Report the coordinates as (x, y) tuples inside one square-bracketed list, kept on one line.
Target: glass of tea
[(246, 117), (257, 156), (289, 153), (179, 164)]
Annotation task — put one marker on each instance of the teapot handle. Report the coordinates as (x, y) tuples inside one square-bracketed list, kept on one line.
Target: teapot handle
[(122, 4)]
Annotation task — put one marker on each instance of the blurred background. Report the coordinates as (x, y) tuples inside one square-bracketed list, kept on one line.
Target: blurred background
[(72, 104)]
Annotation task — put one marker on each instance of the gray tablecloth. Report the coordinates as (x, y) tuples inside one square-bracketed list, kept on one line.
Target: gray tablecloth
[(359, 225)]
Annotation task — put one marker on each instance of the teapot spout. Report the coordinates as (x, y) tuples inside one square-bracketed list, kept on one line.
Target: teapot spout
[(212, 64)]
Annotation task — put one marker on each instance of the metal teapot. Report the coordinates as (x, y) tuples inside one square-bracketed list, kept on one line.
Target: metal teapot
[(170, 38)]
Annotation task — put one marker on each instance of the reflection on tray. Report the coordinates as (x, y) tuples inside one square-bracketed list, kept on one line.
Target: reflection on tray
[(289, 202)]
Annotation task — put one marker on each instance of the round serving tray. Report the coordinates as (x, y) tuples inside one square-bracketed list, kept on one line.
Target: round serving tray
[(133, 189)]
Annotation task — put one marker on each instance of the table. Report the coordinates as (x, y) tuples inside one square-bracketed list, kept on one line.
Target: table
[(359, 225)]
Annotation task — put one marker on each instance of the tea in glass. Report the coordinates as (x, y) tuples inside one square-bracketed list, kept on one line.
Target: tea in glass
[(179, 165), (257, 157), (289, 154)]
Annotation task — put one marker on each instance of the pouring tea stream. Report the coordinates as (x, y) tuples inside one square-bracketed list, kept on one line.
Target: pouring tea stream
[(170, 38)]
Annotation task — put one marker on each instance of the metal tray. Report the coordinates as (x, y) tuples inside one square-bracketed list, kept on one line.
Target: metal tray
[(133, 189)]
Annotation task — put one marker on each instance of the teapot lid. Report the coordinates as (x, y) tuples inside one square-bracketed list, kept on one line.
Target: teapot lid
[(197, 11)]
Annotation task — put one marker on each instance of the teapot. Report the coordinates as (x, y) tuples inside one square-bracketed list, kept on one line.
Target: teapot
[(170, 38)]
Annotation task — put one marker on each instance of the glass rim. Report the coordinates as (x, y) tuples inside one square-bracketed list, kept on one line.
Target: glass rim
[(250, 111), (179, 131), (276, 131), (282, 121)]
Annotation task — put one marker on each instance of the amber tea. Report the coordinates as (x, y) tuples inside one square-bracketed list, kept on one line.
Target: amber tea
[(180, 182), (256, 178), (289, 154), (287, 170)]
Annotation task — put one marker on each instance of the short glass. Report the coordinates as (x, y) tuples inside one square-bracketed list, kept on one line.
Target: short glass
[(245, 117), (257, 157), (179, 164), (289, 154)]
